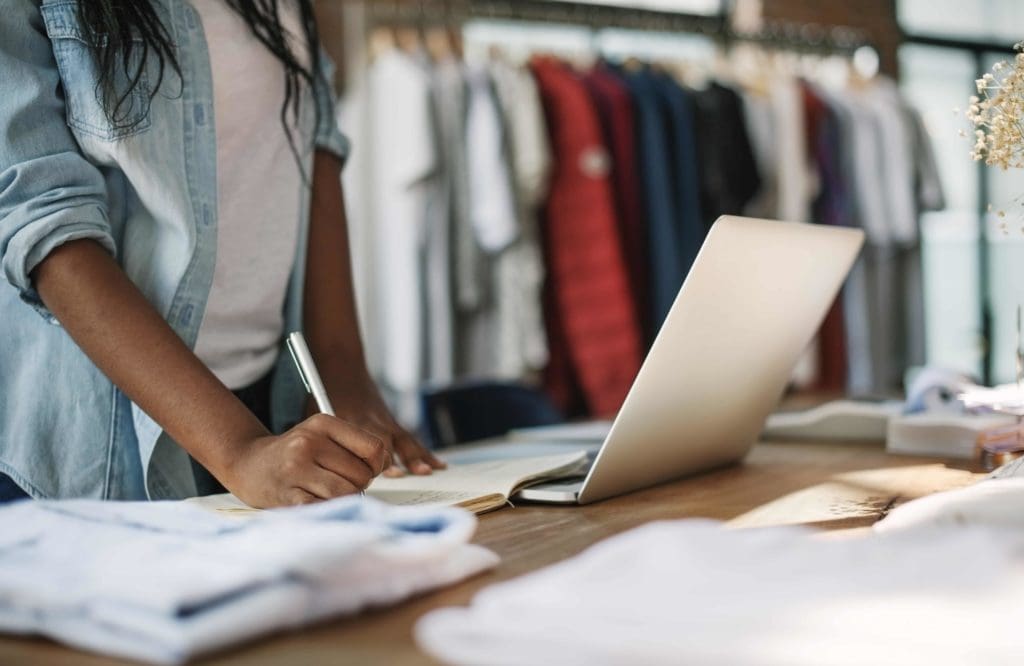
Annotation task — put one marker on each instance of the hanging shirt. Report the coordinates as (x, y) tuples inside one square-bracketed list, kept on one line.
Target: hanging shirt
[(666, 267), (355, 114), (828, 208), (930, 195), (897, 141), (405, 156), (618, 120), (492, 217), (760, 124), (258, 196), (867, 317), (448, 80), (491, 202), (796, 181), (589, 287), (677, 105), (521, 347), (437, 273), (467, 269), (729, 178)]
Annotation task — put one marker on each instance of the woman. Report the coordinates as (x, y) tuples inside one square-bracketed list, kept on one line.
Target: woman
[(170, 206)]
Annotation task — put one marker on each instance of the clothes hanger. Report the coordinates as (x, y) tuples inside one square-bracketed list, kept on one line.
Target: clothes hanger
[(863, 67), (747, 60), (453, 26), (381, 40), (408, 33), (383, 37), (438, 43)]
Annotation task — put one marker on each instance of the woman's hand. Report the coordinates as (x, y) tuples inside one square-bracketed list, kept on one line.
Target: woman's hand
[(321, 458), (360, 403)]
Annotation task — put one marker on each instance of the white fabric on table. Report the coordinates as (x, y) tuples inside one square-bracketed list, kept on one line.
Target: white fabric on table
[(165, 581), (692, 592)]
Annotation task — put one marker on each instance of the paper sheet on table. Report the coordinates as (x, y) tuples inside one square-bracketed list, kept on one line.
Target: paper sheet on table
[(859, 494)]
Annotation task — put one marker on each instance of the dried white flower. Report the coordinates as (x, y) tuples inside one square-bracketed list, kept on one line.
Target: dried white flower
[(998, 114)]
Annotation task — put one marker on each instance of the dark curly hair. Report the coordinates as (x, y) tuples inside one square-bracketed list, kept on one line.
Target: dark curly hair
[(130, 33)]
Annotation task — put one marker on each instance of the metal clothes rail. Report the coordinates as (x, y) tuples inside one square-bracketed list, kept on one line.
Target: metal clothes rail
[(807, 37)]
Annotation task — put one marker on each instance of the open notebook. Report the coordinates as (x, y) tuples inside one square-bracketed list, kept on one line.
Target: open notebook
[(478, 487)]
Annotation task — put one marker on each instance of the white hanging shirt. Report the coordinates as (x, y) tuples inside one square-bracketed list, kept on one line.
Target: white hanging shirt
[(492, 203), (405, 156), (258, 198)]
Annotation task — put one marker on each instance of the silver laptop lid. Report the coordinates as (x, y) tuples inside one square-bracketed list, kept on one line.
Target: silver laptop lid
[(750, 305)]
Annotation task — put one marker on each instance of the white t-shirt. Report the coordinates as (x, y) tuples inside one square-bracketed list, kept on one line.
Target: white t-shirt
[(258, 197)]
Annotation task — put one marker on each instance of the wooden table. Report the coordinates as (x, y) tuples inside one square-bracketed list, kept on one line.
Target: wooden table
[(530, 537)]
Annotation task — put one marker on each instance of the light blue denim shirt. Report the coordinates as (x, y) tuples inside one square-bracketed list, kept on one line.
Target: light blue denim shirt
[(148, 195)]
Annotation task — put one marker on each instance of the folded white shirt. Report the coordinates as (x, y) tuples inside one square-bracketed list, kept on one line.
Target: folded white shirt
[(692, 592), (165, 581)]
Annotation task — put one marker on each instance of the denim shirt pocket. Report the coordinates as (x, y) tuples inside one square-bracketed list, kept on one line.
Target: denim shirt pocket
[(75, 53)]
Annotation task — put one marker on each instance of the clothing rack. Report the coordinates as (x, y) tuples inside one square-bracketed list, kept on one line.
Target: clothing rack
[(625, 217), (803, 37)]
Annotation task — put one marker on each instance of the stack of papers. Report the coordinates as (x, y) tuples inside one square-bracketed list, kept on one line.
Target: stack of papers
[(941, 434), (166, 581), (843, 420), (1006, 398)]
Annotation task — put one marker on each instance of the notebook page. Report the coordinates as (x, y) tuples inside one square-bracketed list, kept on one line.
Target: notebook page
[(459, 483)]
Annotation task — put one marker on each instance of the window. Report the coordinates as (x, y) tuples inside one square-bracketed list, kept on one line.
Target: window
[(997, 21), (937, 80), (960, 273)]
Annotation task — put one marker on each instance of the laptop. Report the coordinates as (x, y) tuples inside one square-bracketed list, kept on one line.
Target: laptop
[(753, 300)]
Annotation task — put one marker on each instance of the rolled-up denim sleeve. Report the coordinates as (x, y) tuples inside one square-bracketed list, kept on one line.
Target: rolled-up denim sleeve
[(328, 134), (49, 192)]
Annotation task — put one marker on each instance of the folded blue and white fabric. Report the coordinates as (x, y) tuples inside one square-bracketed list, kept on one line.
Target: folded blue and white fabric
[(166, 581)]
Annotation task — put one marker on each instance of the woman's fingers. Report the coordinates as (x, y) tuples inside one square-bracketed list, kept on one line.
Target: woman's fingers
[(415, 457), (370, 448), (344, 464), (300, 496), (394, 470), (326, 484)]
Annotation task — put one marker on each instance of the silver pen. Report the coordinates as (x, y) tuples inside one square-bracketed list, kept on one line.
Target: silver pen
[(296, 343), (307, 371)]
